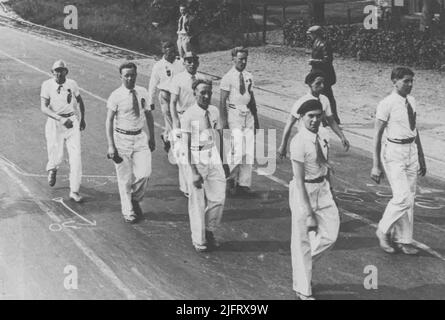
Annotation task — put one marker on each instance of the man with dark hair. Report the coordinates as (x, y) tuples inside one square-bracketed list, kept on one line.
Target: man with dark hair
[(321, 59), (315, 81), (401, 157), (59, 99), (128, 145), (181, 99), (239, 114), (207, 183), (161, 75), (311, 202), (186, 31)]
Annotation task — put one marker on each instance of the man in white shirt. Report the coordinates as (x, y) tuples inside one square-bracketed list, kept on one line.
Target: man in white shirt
[(161, 75), (239, 114), (58, 102), (181, 99), (402, 158), (207, 182), (184, 32), (311, 202), (315, 82), (127, 141)]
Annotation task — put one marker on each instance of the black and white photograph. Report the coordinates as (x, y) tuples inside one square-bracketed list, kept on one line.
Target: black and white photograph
[(223, 155)]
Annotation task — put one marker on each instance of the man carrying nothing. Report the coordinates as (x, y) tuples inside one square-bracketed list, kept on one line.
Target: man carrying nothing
[(401, 157), (181, 99), (58, 102), (127, 142), (239, 114), (162, 73), (310, 198), (315, 81), (207, 181)]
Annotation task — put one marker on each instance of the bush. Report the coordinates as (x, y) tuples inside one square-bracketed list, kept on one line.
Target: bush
[(407, 46)]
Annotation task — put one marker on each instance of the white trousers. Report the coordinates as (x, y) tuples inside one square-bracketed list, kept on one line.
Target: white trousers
[(305, 247), (135, 169), (241, 152), (400, 162), (56, 135), (206, 204), (164, 102)]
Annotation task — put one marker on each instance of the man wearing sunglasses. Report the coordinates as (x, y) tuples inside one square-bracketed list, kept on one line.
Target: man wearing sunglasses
[(59, 100)]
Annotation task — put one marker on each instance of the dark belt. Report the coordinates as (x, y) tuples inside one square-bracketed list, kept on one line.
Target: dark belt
[(131, 133), (402, 141), (316, 180), (67, 115)]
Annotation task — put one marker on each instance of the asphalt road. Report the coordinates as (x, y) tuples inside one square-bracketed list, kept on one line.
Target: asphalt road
[(45, 238)]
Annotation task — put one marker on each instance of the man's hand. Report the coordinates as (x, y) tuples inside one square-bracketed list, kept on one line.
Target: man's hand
[(111, 152), (282, 150), (152, 144), (312, 223), (376, 174), (422, 165), (83, 125), (345, 143), (197, 180), (67, 123)]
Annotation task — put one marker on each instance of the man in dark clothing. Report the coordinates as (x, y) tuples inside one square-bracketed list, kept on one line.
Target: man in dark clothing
[(321, 59)]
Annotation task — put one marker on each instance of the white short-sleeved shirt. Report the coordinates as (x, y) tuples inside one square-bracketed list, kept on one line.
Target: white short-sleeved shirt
[(161, 76), (309, 96), (231, 83), (58, 98), (303, 149), (194, 118), (121, 101), (393, 110), (181, 85)]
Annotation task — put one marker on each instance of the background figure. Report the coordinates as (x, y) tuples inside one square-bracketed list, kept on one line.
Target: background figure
[(161, 75), (58, 102), (128, 145), (187, 31), (321, 59)]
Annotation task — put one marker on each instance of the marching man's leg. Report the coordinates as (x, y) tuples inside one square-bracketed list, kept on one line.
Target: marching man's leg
[(73, 145), (196, 208), (141, 169), (54, 143)]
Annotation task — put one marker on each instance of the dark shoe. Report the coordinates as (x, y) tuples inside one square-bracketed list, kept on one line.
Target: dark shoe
[(211, 241), (303, 297), (244, 191), (406, 249), (384, 242), (136, 207), (130, 219), (167, 144), (52, 177)]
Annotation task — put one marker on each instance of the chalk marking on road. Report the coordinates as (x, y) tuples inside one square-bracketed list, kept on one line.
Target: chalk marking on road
[(100, 264), (270, 177), (60, 200)]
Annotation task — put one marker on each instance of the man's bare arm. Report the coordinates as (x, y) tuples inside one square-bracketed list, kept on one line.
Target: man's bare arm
[(377, 168), (224, 95)]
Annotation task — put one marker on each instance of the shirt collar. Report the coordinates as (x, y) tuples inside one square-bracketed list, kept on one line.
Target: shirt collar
[(124, 89), (399, 97), (310, 95), (308, 135)]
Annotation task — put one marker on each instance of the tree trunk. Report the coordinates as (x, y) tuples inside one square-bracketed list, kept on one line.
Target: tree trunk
[(316, 10), (426, 19)]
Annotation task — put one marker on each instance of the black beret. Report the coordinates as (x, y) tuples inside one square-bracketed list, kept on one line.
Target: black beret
[(310, 105), (314, 74)]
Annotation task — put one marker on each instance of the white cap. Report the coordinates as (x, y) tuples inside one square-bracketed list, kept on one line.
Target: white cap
[(59, 64)]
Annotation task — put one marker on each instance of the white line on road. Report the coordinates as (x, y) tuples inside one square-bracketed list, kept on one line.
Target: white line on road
[(101, 265)]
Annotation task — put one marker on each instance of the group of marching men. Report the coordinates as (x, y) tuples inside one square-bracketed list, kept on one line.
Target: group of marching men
[(212, 163)]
